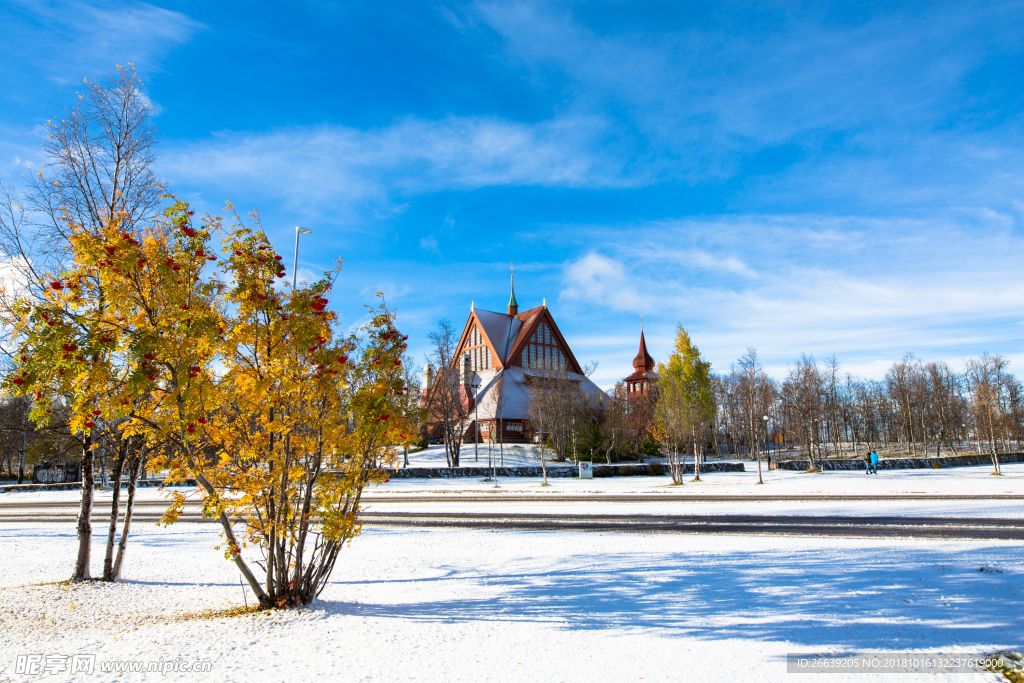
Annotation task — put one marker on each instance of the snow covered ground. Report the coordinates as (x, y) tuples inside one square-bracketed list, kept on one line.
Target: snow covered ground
[(475, 605), (562, 495), (949, 481), (514, 456), (458, 605)]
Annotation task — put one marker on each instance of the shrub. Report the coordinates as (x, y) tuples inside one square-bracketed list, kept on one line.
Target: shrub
[(656, 469)]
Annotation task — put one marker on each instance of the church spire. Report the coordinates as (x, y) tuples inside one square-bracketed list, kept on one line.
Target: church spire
[(513, 305), (643, 360)]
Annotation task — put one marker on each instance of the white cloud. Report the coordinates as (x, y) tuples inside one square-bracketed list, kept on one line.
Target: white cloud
[(864, 289), (601, 281), (68, 41), (12, 282), (783, 91), (332, 164), (429, 243)]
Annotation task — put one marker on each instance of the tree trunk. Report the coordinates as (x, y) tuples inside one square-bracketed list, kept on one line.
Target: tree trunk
[(760, 480), (229, 533), (133, 480), (674, 467), (108, 557), (85, 514), (696, 460), (21, 459)]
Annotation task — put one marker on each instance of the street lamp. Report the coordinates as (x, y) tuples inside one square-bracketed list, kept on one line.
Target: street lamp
[(476, 423), (766, 448), (299, 230)]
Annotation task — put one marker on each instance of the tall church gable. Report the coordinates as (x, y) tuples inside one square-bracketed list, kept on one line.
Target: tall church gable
[(487, 337), (530, 339), (541, 344), (475, 343)]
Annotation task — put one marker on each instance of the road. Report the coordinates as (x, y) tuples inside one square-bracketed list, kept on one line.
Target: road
[(832, 525)]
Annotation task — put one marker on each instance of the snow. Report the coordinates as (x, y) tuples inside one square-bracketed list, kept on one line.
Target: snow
[(970, 481), (515, 456), (446, 605), (476, 605)]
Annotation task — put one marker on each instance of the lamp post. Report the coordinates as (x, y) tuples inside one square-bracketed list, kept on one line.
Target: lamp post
[(476, 423), (767, 449), (814, 438), (299, 230)]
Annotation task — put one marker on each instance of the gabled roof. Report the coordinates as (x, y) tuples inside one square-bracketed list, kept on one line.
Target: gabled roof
[(499, 331)]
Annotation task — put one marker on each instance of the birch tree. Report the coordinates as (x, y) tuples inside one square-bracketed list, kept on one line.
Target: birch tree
[(99, 171), (691, 407)]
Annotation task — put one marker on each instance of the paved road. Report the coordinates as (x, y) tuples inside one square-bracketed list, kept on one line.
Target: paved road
[(545, 497), (833, 525)]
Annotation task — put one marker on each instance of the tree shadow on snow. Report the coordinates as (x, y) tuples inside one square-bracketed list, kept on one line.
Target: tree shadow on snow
[(875, 601)]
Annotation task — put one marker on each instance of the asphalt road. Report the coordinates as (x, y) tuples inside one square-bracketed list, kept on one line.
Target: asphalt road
[(545, 497), (834, 525)]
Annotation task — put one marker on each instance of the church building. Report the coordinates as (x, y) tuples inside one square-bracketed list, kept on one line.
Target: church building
[(498, 357)]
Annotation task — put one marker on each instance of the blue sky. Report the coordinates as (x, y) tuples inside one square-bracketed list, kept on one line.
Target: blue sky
[(817, 178)]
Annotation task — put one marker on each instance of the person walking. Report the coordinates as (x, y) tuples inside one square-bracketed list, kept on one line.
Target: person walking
[(874, 463)]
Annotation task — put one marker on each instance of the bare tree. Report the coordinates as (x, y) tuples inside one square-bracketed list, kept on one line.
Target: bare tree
[(983, 378), (615, 426), (444, 398), (756, 395), (802, 392)]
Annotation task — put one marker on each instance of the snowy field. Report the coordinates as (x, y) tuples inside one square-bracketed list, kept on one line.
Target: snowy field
[(475, 605), (949, 481), (444, 605)]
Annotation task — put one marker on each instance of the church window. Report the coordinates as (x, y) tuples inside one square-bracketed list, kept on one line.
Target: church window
[(543, 351), (476, 349)]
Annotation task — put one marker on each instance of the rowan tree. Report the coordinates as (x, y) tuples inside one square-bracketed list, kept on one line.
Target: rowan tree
[(296, 424)]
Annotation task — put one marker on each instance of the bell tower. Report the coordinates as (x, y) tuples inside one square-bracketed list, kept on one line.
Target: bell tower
[(639, 383)]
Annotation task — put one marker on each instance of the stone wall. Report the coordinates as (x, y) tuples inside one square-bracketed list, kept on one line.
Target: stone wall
[(76, 485), (903, 463), (557, 471)]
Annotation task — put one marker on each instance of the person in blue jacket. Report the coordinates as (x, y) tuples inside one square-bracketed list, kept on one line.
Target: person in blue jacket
[(873, 463)]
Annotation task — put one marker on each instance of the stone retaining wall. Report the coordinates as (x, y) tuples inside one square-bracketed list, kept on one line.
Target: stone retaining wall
[(556, 471), (75, 485), (903, 463), (559, 471)]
